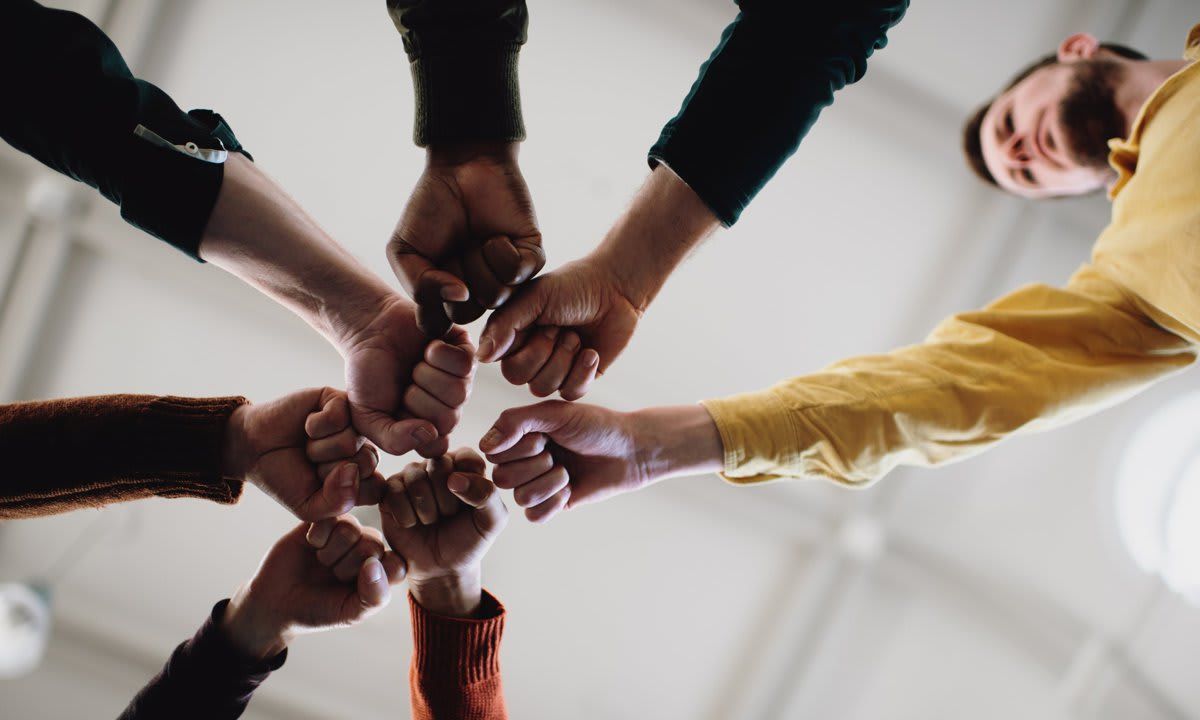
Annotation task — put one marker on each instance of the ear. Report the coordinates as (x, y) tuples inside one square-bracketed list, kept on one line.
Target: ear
[(1080, 46)]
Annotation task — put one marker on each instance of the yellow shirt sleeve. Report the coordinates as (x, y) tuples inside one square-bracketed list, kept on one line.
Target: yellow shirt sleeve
[(1037, 358)]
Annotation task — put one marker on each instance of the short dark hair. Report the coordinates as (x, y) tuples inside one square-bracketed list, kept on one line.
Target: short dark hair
[(971, 142)]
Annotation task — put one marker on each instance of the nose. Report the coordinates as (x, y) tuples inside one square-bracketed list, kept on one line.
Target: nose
[(1017, 150)]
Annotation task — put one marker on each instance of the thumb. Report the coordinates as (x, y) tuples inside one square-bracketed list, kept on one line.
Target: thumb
[(330, 416), (475, 490), (374, 590), (427, 285), (422, 279), (514, 261), (336, 497), (515, 423), (519, 313), (391, 435)]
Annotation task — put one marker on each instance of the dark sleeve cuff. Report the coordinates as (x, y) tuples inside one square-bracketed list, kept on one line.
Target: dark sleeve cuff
[(454, 652), (206, 677), (224, 663), (467, 96), (187, 437)]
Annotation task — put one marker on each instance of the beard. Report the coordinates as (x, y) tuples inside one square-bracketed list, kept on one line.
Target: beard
[(1089, 114)]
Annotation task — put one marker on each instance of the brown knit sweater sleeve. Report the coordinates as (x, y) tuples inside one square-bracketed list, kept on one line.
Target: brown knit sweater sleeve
[(62, 455), (455, 672)]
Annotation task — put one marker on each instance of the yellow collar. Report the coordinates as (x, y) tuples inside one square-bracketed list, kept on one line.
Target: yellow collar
[(1123, 154)]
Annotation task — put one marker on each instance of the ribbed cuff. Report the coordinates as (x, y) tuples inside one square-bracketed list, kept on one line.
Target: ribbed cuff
[(461, 651), (186, 440), (757, 435), (467, 96)]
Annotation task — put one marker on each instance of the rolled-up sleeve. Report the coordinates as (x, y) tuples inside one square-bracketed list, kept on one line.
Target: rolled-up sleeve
[(1038, 358), (775, 68), (72, 103)]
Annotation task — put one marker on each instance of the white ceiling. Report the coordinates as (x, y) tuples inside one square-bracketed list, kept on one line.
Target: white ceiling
[(1003, 590)]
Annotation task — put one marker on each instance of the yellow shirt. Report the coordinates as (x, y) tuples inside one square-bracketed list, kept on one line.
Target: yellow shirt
[(1037, 358)]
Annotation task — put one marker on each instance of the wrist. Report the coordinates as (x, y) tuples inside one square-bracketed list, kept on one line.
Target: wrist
[(235, 447), (251, 631), (456, 594), (453, 154), (665, 221), (674, 441), (357, 316), (259, 234)]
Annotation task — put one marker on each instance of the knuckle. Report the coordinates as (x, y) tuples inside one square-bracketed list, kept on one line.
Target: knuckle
[(516, 370), (508, 421), (412, 394)]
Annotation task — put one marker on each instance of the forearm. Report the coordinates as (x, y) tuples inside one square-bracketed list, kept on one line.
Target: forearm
[(663, 224), (88, 452), (260, 234), (676, 441), (1037, 358)]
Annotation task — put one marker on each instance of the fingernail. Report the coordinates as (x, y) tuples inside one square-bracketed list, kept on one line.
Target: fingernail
[(550, 331), (490, 440), (422, 435), (349, 475), (318, 534), (592, 358), (374, 569), (485, 348), (571, 341), (452, 293), (457, 483)]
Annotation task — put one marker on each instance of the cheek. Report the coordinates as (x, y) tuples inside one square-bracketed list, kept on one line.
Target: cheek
[(1071, 181)]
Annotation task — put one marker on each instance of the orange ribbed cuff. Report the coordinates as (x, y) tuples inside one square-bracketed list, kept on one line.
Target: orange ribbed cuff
[(457, 651)]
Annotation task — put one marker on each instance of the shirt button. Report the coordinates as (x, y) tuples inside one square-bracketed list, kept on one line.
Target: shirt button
[(192, 148)]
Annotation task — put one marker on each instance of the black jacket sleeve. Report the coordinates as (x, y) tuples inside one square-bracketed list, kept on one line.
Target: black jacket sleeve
[(463, 57), (71, 102), (776, 66), (206, 677)]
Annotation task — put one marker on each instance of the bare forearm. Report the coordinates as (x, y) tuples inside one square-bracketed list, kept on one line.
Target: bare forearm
[(678, 440), (260, 234), (663, 224)]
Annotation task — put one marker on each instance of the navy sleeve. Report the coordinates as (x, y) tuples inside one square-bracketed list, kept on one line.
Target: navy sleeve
[(776, 66)]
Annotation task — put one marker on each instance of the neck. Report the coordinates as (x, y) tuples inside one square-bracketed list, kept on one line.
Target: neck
[(1141, 80)]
